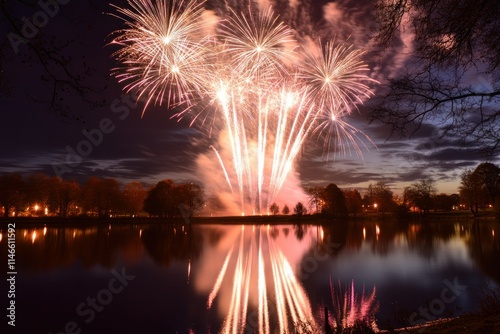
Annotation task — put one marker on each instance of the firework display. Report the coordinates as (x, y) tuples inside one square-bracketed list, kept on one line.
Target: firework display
[(248, 77)]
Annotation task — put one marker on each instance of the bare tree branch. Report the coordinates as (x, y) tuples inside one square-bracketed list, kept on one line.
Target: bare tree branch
[(452, 78), (66, 78)]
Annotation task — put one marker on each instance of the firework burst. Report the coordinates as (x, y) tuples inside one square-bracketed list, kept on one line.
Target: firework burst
[(163, 51), (259, 46), (265, 93)]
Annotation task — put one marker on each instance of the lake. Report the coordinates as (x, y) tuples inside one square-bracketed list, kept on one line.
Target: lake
[(178, 278)]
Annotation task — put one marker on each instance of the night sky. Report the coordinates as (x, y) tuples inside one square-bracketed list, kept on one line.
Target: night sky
[(37, 130)]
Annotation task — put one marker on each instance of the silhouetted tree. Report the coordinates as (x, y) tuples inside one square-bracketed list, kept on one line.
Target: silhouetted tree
[(12, 193), (353, 201), (69, 191), (315, 198), (420, 194), (444, 202), (489, 176), (63, 194), (286, 210), (381, 195), (299, 210), (160, 200), (102, 196), (63, 72), (452, 41), (37, 190), (134, 195), (191, 198), (274, 209), (471, 190), (481, 186), (334, 201)]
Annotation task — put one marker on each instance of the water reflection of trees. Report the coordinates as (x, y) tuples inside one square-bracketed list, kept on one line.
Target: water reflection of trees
[(168, 242), (425, 237), (104, 245), (299, 231), (380, 237), (48, 248), (484, 247)]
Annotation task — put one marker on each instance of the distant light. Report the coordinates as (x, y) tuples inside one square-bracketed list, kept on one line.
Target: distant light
[(377, 229), (36, 207), (45, 230), (364, 233), (493, 232), (33, 237), (46, 211)]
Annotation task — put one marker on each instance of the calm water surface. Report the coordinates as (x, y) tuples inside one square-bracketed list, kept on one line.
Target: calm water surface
[(153, 278)]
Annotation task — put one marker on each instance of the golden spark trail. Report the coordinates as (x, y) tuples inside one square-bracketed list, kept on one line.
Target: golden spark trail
[(223, 167), (218, 282), (263, 309)]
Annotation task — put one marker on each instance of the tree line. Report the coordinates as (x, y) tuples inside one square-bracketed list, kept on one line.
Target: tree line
[(38, 195), (479, 188), (41, 195)]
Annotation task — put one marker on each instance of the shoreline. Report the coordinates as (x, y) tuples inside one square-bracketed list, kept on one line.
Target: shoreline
[(474, 323), (257, 219)]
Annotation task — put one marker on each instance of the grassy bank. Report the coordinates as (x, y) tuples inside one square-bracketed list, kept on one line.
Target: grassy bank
[(477, 323)]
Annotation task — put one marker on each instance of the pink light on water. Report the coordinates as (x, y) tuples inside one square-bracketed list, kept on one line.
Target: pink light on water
[(350, 308)]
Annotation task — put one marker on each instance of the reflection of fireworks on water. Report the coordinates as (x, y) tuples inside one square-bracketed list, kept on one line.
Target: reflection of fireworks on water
[(250, 256), (268, 92), (350, 310)]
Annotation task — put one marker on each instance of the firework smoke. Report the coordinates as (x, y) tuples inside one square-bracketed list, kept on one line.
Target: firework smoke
[(248, 78)]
